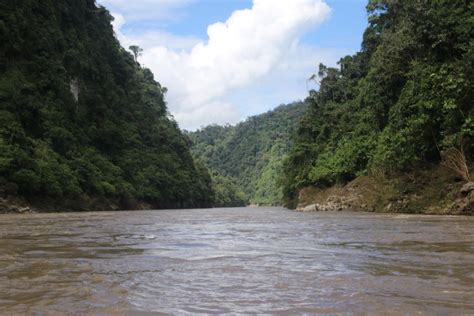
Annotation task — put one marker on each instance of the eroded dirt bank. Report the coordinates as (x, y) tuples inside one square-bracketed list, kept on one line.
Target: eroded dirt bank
[(434, 191)]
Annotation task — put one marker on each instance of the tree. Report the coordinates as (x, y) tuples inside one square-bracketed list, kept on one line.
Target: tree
[(137, 51)]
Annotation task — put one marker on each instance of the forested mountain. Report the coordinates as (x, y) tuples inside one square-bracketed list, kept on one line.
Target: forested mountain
[(84, 126), (80, 119), (401, 104), (245, 160)]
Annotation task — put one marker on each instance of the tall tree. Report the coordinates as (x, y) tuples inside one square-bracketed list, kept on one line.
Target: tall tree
[(137, 51)]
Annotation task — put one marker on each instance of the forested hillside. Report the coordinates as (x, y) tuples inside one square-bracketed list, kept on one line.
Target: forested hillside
[(80, 120), (245, 160), (83, 126), (404, 103)]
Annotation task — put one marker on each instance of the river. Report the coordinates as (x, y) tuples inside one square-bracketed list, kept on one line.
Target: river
[(262, 260)]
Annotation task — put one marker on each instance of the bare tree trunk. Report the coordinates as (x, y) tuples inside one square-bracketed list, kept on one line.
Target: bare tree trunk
[(455, 159)]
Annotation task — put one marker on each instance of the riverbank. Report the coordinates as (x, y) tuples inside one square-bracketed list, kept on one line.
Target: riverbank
[(12, 204), (434, 191), (20, 205)]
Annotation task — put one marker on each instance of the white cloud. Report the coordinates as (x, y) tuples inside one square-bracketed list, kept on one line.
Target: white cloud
[(219, 112), (253, 46), (286, 82)]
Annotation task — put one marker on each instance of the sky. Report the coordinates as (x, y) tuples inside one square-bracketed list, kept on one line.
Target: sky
[(225, 60)]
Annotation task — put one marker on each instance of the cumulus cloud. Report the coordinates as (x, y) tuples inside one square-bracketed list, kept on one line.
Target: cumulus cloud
[(240, 52), (287, 81)]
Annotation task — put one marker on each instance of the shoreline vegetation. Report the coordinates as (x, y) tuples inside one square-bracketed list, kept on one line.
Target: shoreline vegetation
[(411, 194), (355, 196), (392, 127), (84, 127)]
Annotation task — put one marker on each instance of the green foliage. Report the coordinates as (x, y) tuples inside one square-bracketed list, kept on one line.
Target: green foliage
[(136, 50), (227, 192), (245, 159), (394, 106), (268, 186), (78, 116)]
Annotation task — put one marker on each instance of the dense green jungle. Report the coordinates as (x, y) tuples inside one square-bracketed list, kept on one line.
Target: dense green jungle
[(404, 103), (83, 126), (245, 161)]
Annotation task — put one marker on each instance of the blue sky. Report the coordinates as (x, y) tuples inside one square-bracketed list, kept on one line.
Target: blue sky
[(247, 64)]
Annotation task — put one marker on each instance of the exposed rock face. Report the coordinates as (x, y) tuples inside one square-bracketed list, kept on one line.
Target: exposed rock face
[(74, 87), (7, 207), (334, 203), (464, 205), (467, 188), (350, 200), (308, 208)]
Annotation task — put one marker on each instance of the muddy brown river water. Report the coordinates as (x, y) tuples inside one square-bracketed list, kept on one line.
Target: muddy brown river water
[(265, 261)]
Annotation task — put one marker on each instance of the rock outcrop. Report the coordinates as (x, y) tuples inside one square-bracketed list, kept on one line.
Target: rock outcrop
[(467, 188), (464, 204), (12, 207)]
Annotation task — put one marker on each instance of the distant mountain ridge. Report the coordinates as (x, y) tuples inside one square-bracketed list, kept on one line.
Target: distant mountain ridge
[(248, 156)]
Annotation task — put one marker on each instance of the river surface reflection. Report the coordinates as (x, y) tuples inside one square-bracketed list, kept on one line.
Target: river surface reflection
[(265, 260)]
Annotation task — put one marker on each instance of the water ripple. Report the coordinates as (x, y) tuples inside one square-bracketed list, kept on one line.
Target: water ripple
[(265, 261)]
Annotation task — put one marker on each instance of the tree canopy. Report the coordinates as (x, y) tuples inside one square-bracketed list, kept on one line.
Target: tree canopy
[(249, 155), (396, 105), (79, 116)]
